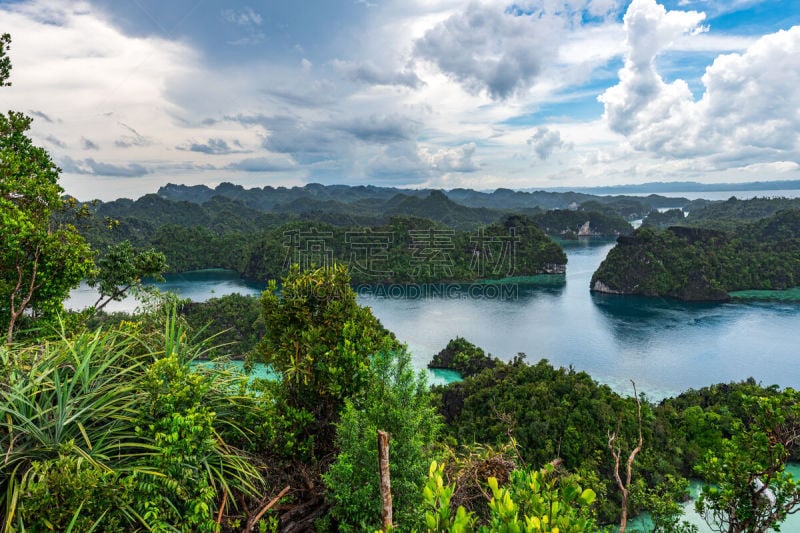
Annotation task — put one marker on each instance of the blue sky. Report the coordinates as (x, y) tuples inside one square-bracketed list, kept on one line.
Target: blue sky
[(129, 95)]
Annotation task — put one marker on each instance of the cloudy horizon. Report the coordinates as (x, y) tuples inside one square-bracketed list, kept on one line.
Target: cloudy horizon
[(128, 96)]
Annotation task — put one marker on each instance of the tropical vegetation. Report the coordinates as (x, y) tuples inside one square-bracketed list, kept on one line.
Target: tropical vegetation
[(138, 422)]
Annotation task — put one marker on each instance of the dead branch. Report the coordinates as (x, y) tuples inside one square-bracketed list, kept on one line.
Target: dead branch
[(616, 453), (251, 523)]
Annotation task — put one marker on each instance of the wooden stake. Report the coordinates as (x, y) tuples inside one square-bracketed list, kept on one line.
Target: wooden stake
[(386, 486)]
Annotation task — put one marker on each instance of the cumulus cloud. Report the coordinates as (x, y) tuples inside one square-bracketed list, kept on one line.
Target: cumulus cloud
[(642, 100), (458, 159), (368, 73), (545, 141), (487, 49), (748, 111)]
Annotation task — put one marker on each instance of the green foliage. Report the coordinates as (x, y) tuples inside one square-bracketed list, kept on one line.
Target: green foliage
[(750, 489), (5, 61), (436, 498), (550, 412), (554, 413), (534, 501), (120, 269), (463, 357), (563, 222), (66, 406), (68, 493), (396, 401), (664, 219), (733, 213), (223, 233), (114, 436), (39, 262), (662, 504), (234, 320), (540, 501), (320, 340)]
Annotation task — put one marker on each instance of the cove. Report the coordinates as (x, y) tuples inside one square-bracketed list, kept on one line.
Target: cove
[(666, 346)]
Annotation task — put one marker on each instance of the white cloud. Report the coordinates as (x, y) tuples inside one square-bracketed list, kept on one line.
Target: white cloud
[(545, 141), (749, 110), (242, 17), (458, 159)]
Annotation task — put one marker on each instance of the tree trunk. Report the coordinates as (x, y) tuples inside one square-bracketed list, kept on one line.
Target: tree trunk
[(386, 486)]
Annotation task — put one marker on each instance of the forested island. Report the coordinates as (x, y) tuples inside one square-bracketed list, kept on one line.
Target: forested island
[(724, 247)]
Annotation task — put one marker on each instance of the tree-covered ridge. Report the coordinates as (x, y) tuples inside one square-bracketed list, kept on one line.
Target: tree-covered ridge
[(704, 264), (568, 222), (732, 213), (404, 250), (240, 213)]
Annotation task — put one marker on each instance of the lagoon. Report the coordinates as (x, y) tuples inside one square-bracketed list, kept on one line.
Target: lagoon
[(664, 345)]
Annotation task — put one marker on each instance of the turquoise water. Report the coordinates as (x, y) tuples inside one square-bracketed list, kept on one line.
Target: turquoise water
[(664, 345), (642, 523)]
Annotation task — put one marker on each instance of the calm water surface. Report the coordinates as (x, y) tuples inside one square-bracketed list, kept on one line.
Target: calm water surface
[(665, 346)]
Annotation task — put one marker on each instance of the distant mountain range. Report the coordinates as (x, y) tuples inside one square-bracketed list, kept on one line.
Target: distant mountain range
[(351, 200), (681, 186)]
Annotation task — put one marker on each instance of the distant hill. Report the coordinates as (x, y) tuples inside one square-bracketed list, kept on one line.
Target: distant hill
[(372, 200), (684, 186)]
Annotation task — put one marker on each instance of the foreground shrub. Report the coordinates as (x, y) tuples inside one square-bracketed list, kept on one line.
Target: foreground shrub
[(101, 434)]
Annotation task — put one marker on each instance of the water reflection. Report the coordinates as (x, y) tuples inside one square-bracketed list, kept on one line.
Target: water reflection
[(552, 286), (637, 320)]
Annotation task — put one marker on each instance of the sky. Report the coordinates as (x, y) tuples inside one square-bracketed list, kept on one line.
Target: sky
[(128, 95)]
